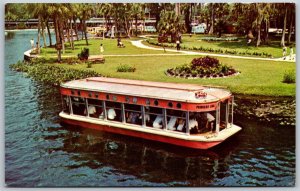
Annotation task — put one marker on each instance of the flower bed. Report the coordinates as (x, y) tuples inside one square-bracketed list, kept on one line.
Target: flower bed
[(203, 67), (212, 50), (226, 39)]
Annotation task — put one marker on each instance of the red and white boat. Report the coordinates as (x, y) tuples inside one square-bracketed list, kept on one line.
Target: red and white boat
[(181, 114)]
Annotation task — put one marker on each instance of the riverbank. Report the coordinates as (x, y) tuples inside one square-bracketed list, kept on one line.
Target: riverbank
[(279, 111)]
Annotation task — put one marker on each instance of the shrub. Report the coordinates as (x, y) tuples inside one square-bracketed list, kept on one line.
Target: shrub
[(89, 64), (205, 62), (84, 54), (289, 77), (125, 68)]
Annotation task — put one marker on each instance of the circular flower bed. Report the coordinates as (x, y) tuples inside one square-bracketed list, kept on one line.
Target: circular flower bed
[(203, 67)]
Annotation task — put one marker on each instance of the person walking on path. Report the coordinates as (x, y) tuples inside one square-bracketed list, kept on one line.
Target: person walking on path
[(291, 53), (178, 45), (284, 52), (101, 49), (32, 43)]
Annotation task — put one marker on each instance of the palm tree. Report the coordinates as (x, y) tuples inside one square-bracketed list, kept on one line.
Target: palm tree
[(171, 24), (137, 12), (85, 12)]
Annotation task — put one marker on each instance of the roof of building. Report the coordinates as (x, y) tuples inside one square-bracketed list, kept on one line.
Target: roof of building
[(157, 90)]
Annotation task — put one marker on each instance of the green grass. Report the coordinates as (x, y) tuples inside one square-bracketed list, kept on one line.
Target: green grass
[(110, 48), (256, 78), (240, 46)]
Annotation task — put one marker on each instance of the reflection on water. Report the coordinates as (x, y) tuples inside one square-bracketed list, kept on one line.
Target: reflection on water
[(42, 152)]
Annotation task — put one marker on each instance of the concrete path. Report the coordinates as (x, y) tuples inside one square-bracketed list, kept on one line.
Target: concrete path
[(139, 44)]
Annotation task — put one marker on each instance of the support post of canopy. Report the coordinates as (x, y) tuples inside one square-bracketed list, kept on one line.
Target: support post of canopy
[(123, 113), (232, 103), (70, 102), (218, 118), (104, 110), (164, 118), (87, 107), (187, 119), (143, 116), (227, 113)]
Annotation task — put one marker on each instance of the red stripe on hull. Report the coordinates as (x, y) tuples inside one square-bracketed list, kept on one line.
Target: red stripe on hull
[(164, 139)]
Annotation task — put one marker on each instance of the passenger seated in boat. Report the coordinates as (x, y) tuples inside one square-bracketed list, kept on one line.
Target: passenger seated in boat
[(171, 124), (92, 111), (193, 126), (111, 113), (157, 123), (133, 117), (147, 118), (210, 121), (180, 125)]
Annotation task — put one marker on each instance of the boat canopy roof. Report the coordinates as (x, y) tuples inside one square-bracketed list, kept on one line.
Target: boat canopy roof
[(158, 90)]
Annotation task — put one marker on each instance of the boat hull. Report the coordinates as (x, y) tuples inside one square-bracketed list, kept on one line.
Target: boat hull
[(165, 139)]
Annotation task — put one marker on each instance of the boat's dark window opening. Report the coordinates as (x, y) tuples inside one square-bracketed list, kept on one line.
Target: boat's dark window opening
[(202, 122), (133, 114), (176, 120), (155, 102), (95, 108), (107, 97), (170, 104), (224, 114), (113, 110), (66, 104), (178, 105), (154, 117), (78, 106)]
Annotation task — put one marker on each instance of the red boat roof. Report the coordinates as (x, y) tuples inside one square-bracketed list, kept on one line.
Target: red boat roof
[(158, 90)]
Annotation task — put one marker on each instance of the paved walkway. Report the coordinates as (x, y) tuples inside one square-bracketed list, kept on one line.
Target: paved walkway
[(139, 44)]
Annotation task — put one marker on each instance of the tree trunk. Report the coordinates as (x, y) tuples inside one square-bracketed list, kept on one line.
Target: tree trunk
[(136, 19), (85, 33), (57, 37), (39, 36), (211, 29), (258, 34), (44, 35), (290, 28), (187, 20), (267, 32), (49, 34), (68, 34), (76, 28), (282, 43), (62, 38), (71, 31), (82, 27)]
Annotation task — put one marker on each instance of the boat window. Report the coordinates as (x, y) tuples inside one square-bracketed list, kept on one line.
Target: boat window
[(201, 122), (78, 106), (176, 120), (114, 111), (178, 105), (154, 117), (95, 108), (133, 114), (66, 104)]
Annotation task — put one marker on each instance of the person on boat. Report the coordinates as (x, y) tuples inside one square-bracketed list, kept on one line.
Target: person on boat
[(193, 125), (92, 111), (171, 124), (157, 123), (133, 117), (111, 113), (180, 126), (210, 121)]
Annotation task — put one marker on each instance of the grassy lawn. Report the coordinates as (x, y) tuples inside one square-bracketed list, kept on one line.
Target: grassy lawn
[(240, 46), (110, 48), (256, 78)]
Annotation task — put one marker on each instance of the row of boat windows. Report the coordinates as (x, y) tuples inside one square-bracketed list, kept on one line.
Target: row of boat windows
[(128, 99), (154, 117)]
